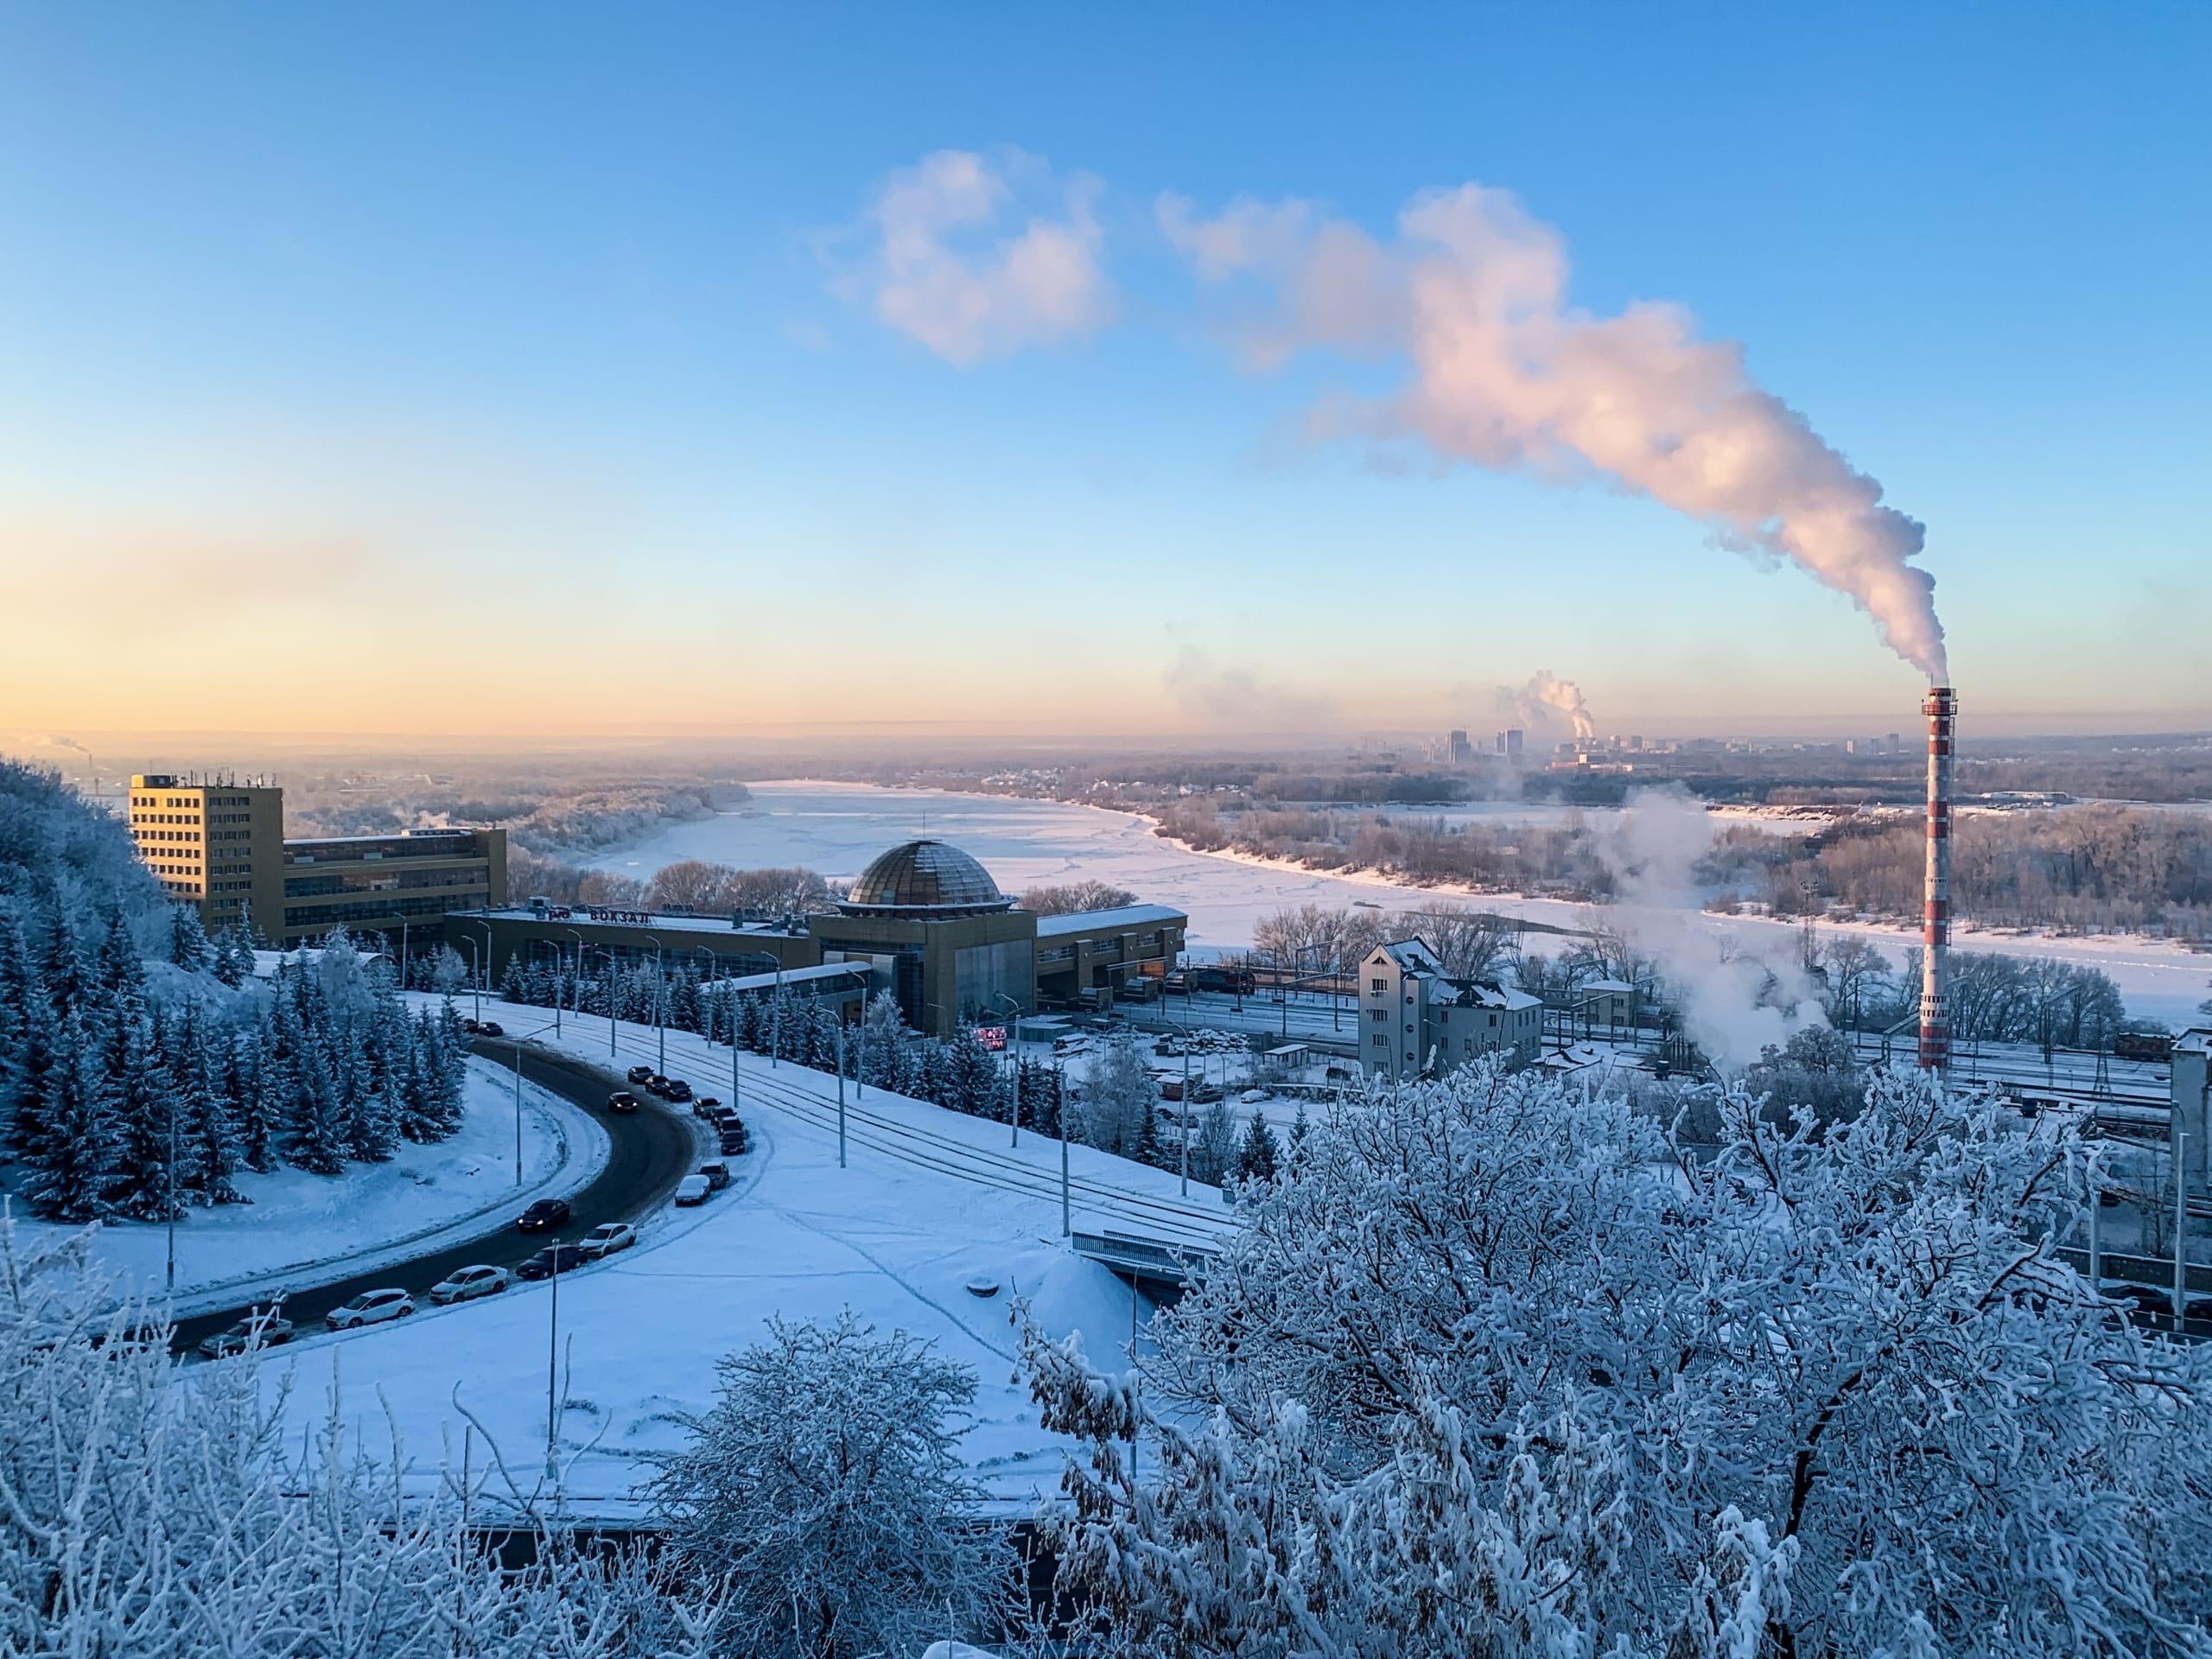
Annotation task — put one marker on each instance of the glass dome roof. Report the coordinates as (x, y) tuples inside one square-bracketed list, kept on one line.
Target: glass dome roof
[(927, 877)]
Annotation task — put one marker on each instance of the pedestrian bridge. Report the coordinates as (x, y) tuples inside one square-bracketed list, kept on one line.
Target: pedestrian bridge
[(1167, 1261)]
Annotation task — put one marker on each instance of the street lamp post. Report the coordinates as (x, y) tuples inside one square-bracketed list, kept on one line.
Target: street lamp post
[(486, 927), (553, 1370), (1060, 1087), (1013, 1083), (475, 980)]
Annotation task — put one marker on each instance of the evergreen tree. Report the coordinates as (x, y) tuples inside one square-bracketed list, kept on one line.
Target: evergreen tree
[(16, 986), (140, 1081), (38, 1057), (231, 959), (69, 1175), (513, 985), (204, 1105), (1300, 1127), (243, 1088), (61, 964), (188, 946), (971, 1079), (315, 1123), (1256, 1155), (121, 971)]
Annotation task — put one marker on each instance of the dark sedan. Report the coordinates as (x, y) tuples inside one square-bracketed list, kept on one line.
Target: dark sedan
[(554, 1258), (543, 1216), (622, 1101)]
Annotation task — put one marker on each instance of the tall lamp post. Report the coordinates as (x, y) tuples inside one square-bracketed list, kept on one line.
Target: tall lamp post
[(475, 979), (517, 1041), (556, 949), (486, 927)]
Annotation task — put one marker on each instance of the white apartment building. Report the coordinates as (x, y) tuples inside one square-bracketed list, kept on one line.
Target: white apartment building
[(1415, 1020)]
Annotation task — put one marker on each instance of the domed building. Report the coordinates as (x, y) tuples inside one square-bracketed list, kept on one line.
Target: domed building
[(931, 879), (923, 921)]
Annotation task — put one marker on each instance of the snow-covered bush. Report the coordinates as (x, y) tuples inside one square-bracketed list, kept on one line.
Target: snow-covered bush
[(1487, 1369), (825, 1490), (148, 1513)]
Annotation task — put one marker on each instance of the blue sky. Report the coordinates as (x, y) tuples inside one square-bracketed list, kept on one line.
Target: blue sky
[(490, 343)]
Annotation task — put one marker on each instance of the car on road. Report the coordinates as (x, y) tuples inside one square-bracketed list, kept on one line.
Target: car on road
[(466, 1284), (638, 1074), (706, 1106), (490, 1028), (692, 1189), (267, 1328), (554, 1258), (370, 1307), (543, 1216), (715, 1174), (677, 1090), (622, 1101), (606, 1238)]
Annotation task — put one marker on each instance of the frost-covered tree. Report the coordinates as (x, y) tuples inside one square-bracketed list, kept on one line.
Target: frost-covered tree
[(143, 1181), (70, 1170), (1491, 1369), (188, 946), (1119, 1100), (149, 1514), (826, 1488)]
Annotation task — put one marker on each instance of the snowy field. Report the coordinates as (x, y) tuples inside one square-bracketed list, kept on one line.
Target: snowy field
[(836, 828), (930, 1202), (301, 1229)]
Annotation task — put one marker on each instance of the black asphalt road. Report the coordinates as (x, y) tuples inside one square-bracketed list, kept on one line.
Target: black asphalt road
[(651, 1152)]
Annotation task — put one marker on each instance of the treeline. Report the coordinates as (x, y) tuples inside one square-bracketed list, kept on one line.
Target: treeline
[(2084, 868), (543, 816), (689, 884), (1492, 858)]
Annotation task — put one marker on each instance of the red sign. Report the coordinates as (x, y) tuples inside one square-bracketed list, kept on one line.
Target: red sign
[(991, 1036)]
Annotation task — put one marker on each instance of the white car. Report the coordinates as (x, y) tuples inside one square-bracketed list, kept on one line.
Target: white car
[(370, 1307), (606, 1238), (692, 1189), (467, 1283)]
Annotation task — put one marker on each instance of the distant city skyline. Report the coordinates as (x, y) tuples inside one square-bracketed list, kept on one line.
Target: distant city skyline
[(545, 372)]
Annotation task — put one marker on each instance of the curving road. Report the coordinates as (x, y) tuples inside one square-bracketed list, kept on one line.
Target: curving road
[(649, 1152)]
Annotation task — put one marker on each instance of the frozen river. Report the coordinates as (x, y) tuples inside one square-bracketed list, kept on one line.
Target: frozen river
[(836, 828)]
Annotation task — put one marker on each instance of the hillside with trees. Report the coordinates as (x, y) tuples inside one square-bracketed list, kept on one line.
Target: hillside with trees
[(142, 1068)]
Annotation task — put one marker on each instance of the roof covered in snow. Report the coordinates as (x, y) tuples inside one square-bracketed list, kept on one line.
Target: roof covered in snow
[(1082, 921)]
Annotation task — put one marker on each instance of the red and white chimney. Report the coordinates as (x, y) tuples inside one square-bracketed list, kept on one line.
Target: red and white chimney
[(1941, 709)]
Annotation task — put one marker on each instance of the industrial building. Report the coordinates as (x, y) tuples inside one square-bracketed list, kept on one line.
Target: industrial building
[(219, 845), (1416, 1020), (926, 918)]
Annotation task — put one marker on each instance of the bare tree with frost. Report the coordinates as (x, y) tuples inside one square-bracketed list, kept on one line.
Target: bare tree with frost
[(162, 1517), (1489, 1370)]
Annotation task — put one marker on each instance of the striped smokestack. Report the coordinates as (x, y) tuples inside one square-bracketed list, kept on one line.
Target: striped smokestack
[(1941, 709)]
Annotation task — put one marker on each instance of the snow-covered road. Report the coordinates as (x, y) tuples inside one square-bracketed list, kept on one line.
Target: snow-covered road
[(929, 1201)]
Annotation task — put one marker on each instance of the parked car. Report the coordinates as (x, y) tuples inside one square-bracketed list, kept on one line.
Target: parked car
[(715, 1174), (657, 1086), (543, 1216), (606, 1238), (469, 1026), (733, 1143), (491, 1029), (678, 1090), (554, 1258), (692, 1189), (267, 1327), (705, 1106), (638, 1074), (370, 1307), (467, 1283), (2198, 1307), (622, 1101)]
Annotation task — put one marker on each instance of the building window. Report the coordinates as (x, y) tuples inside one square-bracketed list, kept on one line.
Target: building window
[(1378, 985)]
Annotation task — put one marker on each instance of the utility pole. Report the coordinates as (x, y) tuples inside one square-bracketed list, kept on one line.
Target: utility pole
[(553, 1371), (1185, 1116), (2096, 1206), (841, 1094), (2181, 1223), (172, 1199)]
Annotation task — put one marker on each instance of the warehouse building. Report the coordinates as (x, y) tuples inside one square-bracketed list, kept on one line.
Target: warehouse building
[(1417, 1020), (928, 921)]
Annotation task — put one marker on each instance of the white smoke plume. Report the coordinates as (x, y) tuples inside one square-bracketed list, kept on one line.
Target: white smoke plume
[(1544, 696), (1734, 1001), (1506, 374)]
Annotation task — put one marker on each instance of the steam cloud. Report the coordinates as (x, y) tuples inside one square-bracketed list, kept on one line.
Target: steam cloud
[(1734, 1001), (1546, 694), (1505, 374)]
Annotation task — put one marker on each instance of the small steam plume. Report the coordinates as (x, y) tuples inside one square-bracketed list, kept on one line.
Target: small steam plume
[(1734, 1001), (68, 744), (1505, 374), (1547, 695)]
